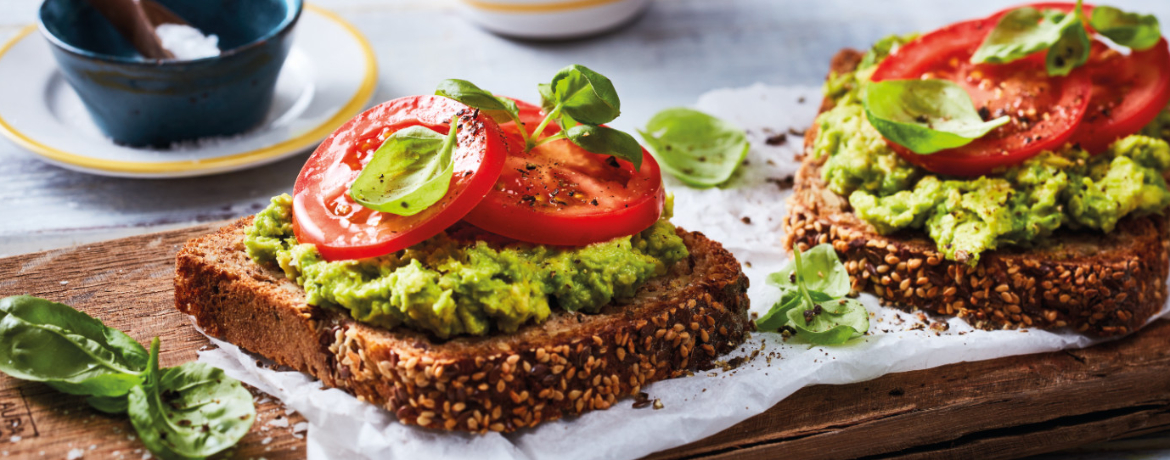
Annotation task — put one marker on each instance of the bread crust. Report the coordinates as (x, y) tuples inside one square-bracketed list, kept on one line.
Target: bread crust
[(571, 364), (1097, 284)]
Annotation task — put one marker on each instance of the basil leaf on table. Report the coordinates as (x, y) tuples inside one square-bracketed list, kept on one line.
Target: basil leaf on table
[(925, 116), (606, 141), (70, 351), (697, 148), (1136, 31), (822, 272), (190, 411), (777, 316), (500, 109), (830, 322), (812, 302), (586, 96), (411, 171), (110, 404)]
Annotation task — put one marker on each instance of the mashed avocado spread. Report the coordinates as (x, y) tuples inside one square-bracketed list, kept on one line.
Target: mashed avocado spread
[(965, 216), (450, 287)]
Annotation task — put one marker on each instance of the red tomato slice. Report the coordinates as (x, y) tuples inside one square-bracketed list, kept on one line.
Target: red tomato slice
[(559, 194), (1128, 93), (1044, 110), (325, 215)]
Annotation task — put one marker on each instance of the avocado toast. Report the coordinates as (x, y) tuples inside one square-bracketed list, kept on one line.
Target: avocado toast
[(1091, 258), (544, 281)]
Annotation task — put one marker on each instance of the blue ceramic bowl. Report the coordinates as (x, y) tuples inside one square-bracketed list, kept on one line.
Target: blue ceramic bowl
[(143, 102)]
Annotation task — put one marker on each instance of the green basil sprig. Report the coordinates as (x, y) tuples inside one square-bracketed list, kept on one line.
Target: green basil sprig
[(697, 148), (409, 172), (48, 342), (190, 411), (1026, 30), (1132, 30), (500, 109), (812, 301), (578, 99), (187, 412), (925, 116)]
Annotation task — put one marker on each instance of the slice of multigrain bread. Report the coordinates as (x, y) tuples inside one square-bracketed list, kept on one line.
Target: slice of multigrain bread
[(572, 363), (1098, 284)]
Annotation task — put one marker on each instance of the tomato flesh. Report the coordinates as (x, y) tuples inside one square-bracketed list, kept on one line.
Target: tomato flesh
[(1044, 110), (325, 215), (559, 194), (1128, 93)]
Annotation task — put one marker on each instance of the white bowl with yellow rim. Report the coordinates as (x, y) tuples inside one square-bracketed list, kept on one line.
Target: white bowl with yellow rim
[(551, 19)]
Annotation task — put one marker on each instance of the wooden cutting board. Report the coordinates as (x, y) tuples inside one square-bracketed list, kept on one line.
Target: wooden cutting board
[(1002, 408)]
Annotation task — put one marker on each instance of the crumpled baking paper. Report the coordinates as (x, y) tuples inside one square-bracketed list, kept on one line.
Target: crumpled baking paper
[(694, 407)]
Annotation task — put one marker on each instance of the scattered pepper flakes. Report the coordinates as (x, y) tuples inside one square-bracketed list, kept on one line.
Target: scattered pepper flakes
[(776, 140)]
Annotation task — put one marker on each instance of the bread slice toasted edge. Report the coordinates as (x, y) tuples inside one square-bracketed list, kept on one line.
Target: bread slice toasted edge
[(1097, 284), (571, 364)]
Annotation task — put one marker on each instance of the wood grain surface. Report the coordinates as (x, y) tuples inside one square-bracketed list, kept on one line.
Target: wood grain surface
[(1003, 408)]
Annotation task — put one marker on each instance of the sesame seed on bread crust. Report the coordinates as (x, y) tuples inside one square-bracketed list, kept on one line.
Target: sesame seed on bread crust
[(568, 365), (1095, 283)]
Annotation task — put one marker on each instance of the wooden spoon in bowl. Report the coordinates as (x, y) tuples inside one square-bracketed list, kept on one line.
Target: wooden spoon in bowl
[(136, 20)]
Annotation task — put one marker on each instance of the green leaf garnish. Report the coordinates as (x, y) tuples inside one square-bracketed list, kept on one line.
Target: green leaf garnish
[(499, 109), (830, 322), (49, 342), (186, 412), (585, 95), (1071, 49), (1019, 33), (925, 116), (1026, 30), (812, 300), (697, 148), (411, 171), (823, 272), (606, 141), (578, 100), (190, 411), (1136, 31)]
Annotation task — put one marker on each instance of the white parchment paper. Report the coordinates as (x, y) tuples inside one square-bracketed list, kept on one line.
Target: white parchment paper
[(695, 407)]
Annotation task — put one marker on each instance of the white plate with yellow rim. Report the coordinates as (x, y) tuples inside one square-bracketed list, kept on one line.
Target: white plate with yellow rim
[(551, 19), (324, 82)]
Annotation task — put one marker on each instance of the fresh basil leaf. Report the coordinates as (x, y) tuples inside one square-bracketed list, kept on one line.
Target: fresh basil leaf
[(548, 99), (822, 271), (190, 411), (586, 96), (411, 171), (49, 342), (831, 322), (777, 316), (109, 404), (823, 277), (1018, 33), (1071, 50), (1137, 31), (699, 149), (606, 141), (500, 109), (925, 116)]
